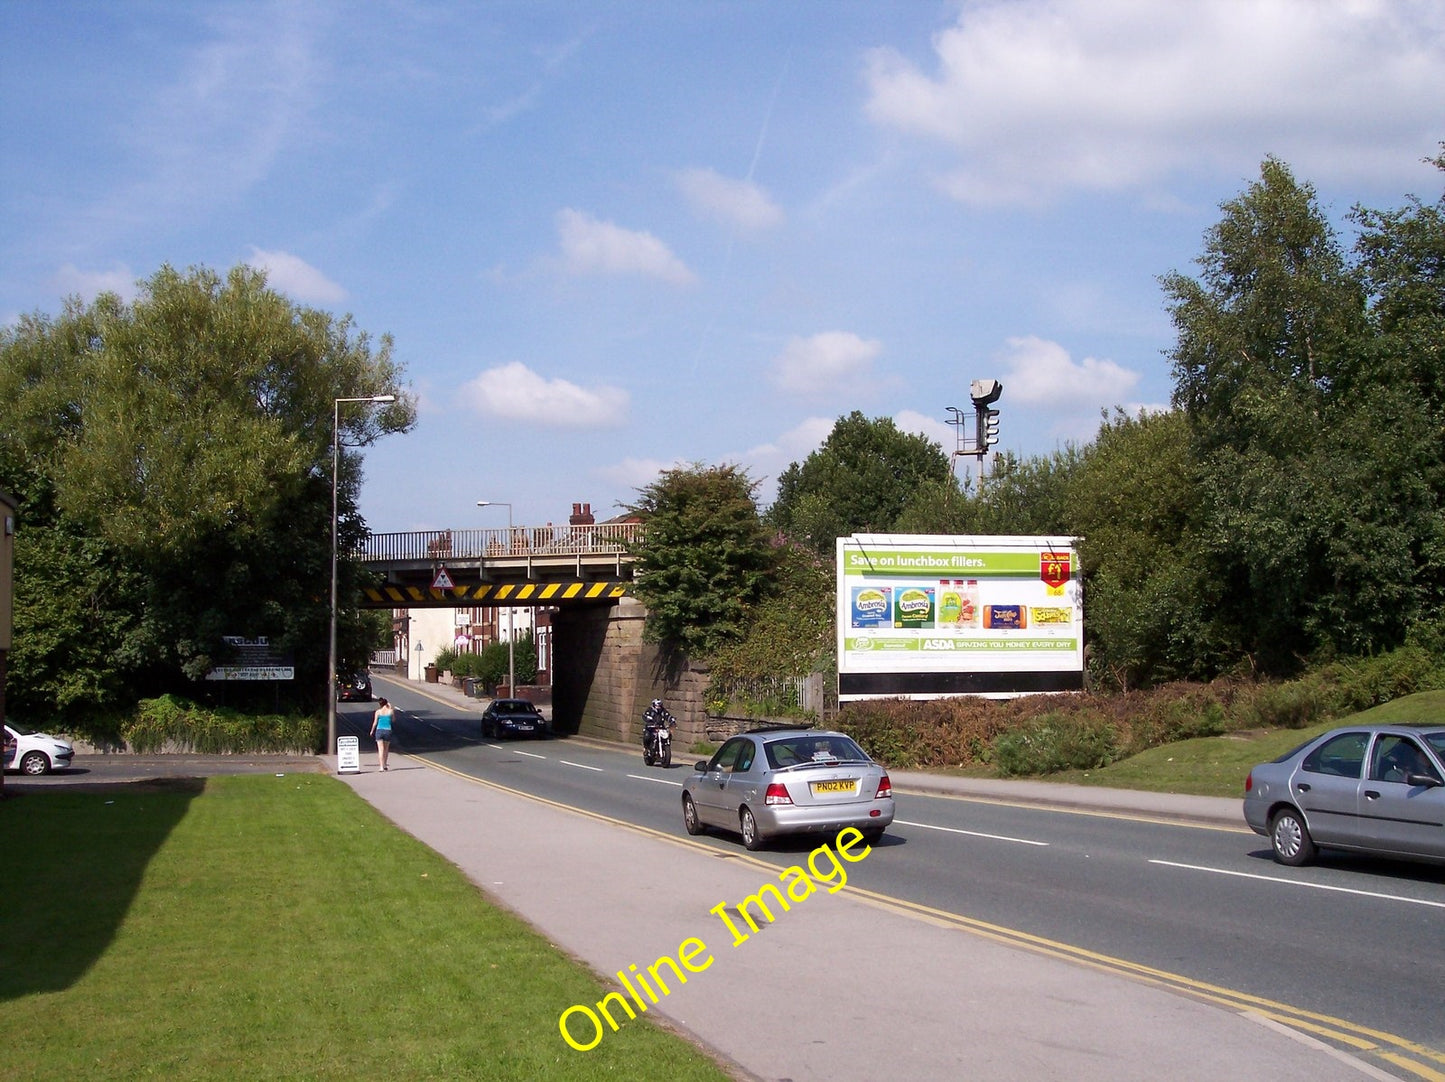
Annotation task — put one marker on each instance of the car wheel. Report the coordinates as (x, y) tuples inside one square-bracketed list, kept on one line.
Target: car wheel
[(35, 763), (689, 816), (872, 837), (751, 838), (1291, 838)]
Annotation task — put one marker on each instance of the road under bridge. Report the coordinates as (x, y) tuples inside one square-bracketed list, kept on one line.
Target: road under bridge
[(603, 673)]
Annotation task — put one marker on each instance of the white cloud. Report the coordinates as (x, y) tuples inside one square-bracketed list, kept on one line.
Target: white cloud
[(1040, 373), (70, 280), (734, 202), (935, 429), (590, 246), (822, 361), (514, 392), (636, 473), (766, 461), (296, 278), (1043, 96)]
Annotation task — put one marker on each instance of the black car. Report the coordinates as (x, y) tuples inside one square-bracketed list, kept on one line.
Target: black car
[(353, 687), (514, 717)]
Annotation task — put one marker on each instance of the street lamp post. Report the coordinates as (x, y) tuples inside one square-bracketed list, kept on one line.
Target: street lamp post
[(511, 636), (335, 470)]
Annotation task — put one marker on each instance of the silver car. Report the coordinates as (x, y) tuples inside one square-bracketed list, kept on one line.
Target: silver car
[(1369, 788), (788, 781)]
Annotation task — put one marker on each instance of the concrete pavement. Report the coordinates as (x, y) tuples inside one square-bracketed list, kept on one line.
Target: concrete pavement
[(840, 986)]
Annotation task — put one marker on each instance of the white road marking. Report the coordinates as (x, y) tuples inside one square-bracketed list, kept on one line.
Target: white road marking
[(970, 833), (579, 766), (1301, 883), (660, 781), (528, 754)]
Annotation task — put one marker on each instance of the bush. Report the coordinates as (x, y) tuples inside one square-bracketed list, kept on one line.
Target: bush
[(1044, 733), (177, 722), (1366, 682), (1056, 742), (1291, 705)]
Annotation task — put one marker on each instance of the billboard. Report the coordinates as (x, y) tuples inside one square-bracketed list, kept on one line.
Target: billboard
[(922, 617)]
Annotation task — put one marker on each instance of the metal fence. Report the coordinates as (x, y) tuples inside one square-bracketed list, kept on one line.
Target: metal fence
[(602, 539)]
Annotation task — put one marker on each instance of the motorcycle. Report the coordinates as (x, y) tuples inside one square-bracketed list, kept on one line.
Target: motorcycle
[(657, 741)]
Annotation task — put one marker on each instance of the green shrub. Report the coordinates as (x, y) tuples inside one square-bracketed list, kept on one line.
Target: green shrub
[(1366, 682), (171, 720), (1055, 742), (1294, 704), (1044, 733)]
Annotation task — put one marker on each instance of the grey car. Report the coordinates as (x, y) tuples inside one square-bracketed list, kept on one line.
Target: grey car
[(1368, 788), (788, 781)]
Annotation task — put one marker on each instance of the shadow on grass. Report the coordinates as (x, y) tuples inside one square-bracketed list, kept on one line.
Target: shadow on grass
[(76, 856)]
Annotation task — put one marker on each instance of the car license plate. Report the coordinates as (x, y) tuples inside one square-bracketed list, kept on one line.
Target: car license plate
[(525, 726), (848, 785)]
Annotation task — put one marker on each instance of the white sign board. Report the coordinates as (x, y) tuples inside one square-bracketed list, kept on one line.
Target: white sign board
[(923, 617), (348, 755)]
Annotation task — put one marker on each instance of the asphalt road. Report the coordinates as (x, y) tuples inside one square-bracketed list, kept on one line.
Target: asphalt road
[(1351, 939)]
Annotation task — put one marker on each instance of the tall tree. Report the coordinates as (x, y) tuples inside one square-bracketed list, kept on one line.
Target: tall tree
[(1134, 501), (182, 443), (705, 560), (1312, 513), (860, 480)]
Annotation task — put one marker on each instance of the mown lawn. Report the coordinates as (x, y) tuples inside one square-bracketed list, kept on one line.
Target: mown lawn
[(275, 927)]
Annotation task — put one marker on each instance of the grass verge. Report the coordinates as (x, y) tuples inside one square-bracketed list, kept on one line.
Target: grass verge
[(265, 926), (1217, 765)]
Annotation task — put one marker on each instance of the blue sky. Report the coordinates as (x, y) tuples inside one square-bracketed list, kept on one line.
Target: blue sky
[(608, 238)]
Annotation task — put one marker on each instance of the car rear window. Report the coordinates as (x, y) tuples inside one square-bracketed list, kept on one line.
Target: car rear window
[(797, 750)]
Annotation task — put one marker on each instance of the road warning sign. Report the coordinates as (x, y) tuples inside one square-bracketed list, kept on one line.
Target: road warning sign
[(443, 581)]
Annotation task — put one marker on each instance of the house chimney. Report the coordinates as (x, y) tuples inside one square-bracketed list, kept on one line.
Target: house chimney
[(582, 515)]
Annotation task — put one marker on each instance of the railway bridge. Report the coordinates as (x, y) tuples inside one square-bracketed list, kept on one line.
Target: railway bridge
[(603, 674)]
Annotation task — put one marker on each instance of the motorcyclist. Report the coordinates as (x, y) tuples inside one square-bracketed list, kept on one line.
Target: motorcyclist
[(656, 716)]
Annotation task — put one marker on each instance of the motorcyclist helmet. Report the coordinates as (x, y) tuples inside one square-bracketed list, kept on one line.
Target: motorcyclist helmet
[(657, 704)]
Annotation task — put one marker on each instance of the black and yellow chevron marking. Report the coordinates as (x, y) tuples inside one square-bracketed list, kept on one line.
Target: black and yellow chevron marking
[(495, 593)]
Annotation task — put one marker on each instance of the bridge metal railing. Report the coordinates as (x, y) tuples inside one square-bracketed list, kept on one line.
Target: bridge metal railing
[(439, 545)]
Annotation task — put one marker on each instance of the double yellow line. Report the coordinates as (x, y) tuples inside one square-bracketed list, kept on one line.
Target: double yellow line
[(1420, 1061)]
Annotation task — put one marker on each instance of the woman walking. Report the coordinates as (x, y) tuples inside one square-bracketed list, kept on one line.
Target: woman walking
[(381, 730)]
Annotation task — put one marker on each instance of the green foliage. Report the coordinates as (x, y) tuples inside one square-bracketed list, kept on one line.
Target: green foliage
[(1047, 733), (490, 666), (706, 558), (173, 723), (1366, 682), (1055, 742), (173, 461), (1293, 704), (859, 481), (789, 631), (1320, 465)]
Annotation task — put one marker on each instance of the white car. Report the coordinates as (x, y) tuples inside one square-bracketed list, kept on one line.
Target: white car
[(36, 753)]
